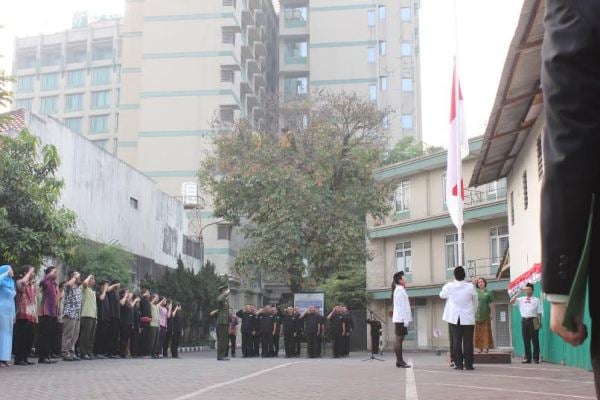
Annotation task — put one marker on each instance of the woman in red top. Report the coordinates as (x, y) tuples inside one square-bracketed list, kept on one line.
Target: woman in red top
[(26, 315)]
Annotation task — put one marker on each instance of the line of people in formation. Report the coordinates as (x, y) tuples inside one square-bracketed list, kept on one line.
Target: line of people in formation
[(81, 319), (262, 329)]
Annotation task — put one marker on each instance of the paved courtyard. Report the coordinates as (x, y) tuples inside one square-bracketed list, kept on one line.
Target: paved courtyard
[(200, 376)]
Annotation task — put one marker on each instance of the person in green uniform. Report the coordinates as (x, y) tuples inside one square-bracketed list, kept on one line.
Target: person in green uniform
[(483, 317), (223, 323)]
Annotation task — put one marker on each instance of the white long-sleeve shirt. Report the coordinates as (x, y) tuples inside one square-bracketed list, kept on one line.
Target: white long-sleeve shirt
[(461, 302), (401, 306)]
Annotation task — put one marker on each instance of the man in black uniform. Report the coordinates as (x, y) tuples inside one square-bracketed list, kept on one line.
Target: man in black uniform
[(266, 328), (277, 322), (320, 332), (311, 330), (299, 332), (114, 303), (338, 330), (254, 323), (289, 321), (102, 330), (571, 82), (375, 334), (244, 315), (349, 328)]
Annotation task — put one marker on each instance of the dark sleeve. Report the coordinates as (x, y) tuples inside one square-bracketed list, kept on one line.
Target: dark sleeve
[(240, 314)]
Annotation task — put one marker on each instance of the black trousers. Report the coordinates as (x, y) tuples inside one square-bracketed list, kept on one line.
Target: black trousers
[(530, 335), (319, 346), (311, 344), (175, 343), (124, 335), (47, 333), (113, 332), (135, 342), (276, 345), (347, 344), (101, 339), (146, 339), (56, 343), (266, 344), (23, 339), (232, 344), (297, 343), (374, 344), (462, 344), (256, 345), (247, 344), (338, 345), (167, 341), (289, 344)]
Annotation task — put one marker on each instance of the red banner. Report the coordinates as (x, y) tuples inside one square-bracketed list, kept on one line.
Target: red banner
[(532, 275)]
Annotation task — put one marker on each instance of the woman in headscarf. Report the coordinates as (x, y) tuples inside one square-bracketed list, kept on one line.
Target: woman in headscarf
[(7, 313)]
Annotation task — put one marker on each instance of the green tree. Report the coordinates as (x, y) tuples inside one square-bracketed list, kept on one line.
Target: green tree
[(32, 223), (303, 193), (347, 287), (408, 148), (103, 261)]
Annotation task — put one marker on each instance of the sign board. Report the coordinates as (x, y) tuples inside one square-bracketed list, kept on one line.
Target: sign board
[(305, 300)]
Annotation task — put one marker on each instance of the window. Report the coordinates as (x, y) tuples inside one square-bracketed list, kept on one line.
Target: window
[(98, 124), (383, 83), (525, 195), (295, 86), (74, 102), (101, 76), (540, 157), (382, 48), (406, 49), (295, 17), (101, 99), (296, 51), (74, 124), (76, 53), (402, 196), (50, 57), (226, 114), (372, 54), (404, 257), (382, 13), (407, 121), (49, 81), (229, 3), (76, 78), (512, 208), (26, 59), (48, 105), (25, 84), (102, 50), (24, 103), (407, 85), (496, 190), (405, 14), (223, 232), (189, 193), (498, 243), (373, 93), (452, 251), (227, 36), (192, 247), (371, 17), (133, 202), (227, 75)]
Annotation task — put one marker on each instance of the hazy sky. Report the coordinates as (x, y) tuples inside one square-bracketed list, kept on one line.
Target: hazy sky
[(485, 30)]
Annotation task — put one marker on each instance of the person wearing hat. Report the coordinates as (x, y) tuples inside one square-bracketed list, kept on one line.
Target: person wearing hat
[(223, 323)]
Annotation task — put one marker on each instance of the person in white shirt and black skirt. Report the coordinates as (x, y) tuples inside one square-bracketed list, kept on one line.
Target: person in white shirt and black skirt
[(401, 316), (461, 303)]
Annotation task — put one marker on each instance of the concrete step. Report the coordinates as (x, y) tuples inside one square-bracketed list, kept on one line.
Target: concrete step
[(495, 357)]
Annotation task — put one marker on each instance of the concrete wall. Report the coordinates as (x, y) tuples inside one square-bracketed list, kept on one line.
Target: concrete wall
[(100, 189)]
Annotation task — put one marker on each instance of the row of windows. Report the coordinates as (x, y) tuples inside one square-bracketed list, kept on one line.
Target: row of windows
[(73, 102), (75, 78), (298, 16), (75, 54), (297, 50), (405, 15), (498, 246), (98, 124)]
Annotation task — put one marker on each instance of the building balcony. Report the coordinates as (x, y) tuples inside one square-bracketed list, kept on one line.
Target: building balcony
[(260, 49)]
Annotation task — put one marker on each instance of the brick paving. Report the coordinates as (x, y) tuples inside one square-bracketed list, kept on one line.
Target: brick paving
[(200, 376)]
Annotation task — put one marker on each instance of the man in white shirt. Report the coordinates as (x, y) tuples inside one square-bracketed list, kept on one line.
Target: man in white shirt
[(461, 303), (531, 319)]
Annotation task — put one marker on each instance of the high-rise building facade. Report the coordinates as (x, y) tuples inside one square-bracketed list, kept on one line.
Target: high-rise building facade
[(74, 76), (363, 46)]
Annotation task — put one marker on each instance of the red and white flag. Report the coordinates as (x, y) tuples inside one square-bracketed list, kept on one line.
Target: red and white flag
[(458, 148)]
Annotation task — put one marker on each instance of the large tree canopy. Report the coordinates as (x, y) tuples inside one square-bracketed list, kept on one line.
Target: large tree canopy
[(32, 223), (303, 193)]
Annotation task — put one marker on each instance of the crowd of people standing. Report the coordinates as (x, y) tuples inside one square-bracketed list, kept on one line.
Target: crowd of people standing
[(81, 319)]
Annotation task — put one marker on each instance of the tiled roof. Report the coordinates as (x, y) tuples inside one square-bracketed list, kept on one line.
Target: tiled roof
[(15, 122)]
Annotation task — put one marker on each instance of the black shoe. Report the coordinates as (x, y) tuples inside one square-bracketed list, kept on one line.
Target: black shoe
[(56, 356), (29, 362), (536, 361), (68, 358), (222, 359), (470, 368), (526, 362), (21, 363), (458, 368), (86, 357), (402, 365), (46, 361)]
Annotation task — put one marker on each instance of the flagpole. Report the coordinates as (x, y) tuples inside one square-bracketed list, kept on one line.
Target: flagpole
[(458, 136)]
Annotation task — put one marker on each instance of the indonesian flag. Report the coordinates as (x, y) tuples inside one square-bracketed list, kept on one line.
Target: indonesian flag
[(458, 148)]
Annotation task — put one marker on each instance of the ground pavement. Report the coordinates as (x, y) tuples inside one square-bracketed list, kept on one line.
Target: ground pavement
[(200, 376)]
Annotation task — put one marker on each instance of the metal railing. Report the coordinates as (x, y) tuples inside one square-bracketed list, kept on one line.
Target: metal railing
[(483, 268)]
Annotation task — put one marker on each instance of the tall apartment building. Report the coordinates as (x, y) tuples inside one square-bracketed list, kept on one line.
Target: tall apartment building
[(74, 76), (419, 238), (363, 46)]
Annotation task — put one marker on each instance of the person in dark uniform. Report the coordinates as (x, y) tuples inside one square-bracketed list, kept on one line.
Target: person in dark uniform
[(126, 322), (102, 330), (114, 303), (145, 320), (349, 328), (375, 333), (570, 80), (266, 323), (338, 330), (223, 323), (136, 336), (311, 330), (246, 329), (299, 332), (320, 332), (177, 330), (255, 332), (289, 321), (277, 331)]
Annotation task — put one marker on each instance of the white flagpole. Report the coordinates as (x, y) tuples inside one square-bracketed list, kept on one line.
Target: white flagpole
[(459, 184)]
